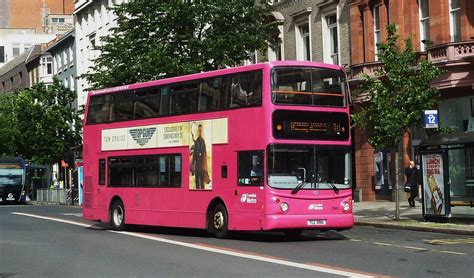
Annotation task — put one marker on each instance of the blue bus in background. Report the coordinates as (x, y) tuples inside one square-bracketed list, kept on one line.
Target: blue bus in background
[(12, 180)]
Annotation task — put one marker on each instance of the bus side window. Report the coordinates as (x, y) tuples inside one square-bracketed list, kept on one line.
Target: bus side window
[(122, 108), (147, 105), (250, 167), (184, 98), (101, 171), (99, 109), (256, 97), (246, 89), (204, 97), (165, 101)]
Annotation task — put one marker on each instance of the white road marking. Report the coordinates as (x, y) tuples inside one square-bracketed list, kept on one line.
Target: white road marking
[(53, 219), (450, 252), (215, 250), (247, 256)]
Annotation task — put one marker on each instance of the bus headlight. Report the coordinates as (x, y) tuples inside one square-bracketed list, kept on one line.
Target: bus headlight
[(346, 206), (284, 207)]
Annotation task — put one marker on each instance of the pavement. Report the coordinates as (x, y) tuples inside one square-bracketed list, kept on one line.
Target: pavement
[(382, 214)]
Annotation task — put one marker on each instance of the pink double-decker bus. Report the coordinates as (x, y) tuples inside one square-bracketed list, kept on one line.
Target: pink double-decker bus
[(257, 147)]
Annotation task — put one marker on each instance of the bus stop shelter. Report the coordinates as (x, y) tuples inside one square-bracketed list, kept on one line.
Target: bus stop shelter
[(447, 167)]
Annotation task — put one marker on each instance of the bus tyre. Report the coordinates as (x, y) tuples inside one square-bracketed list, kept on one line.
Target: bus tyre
[(293, 233), (220, 221), (117, 215)]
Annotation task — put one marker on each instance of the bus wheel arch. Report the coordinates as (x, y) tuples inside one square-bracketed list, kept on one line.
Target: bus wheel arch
[(117, 214), (217, 218)]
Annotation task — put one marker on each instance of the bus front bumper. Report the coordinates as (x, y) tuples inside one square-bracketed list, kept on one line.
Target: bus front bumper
[(341, 221)]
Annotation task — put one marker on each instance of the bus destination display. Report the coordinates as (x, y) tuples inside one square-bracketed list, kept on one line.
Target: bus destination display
[(310, 125)]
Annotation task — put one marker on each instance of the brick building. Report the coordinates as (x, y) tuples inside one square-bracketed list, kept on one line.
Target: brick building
[(27, 23), (34, 13), (443, 32)]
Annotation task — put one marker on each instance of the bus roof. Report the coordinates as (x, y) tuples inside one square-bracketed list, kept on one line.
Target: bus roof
[(213, 73), (11, 160)]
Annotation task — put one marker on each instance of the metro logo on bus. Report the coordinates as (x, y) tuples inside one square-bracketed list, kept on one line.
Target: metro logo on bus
[(142, 135)]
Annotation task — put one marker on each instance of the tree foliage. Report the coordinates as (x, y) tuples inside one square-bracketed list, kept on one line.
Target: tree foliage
[(39, 123), (158, 39), (397, 93)]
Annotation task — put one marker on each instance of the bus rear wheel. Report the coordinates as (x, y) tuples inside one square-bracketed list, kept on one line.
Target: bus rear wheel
[(220, 221), (117, 216)]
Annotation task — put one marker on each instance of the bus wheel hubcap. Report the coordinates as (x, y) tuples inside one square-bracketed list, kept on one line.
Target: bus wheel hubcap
[(118, 216), (218, 220)]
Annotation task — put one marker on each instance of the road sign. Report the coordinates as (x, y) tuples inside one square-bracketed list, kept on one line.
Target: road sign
[(431, 119)]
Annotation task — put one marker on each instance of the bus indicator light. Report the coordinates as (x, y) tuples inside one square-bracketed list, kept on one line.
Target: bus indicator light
[(279, 127)]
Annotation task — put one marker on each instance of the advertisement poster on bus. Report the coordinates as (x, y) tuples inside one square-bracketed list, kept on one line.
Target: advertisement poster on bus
[(433, 185), (200, 155)]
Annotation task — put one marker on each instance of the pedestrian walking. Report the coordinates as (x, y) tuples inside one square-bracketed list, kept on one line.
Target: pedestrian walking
[(413, 174)]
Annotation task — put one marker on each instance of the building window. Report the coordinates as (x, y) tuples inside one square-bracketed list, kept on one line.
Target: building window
[(92, 46), (424, 23), (275, 51), (65, 58), (26, 46), (376, 14), (72, 86), (303, 42), (2, 54), (71, 55), (55, 64), (16, 50), (57, 20), (455, 19), (331, 40), (47, 64)]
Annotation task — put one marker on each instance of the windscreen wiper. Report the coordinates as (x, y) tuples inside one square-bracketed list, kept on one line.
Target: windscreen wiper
[(297, 188), (334, 187)]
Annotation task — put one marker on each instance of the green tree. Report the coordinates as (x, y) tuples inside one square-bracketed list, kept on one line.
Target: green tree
[(8, 131), (159, 39), (397, 94), (45, 122)]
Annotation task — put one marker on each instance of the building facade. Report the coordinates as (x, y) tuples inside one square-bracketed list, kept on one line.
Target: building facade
[(443, 33), (93, 21), (312, 30), (14, 42), (63, 58), (15, 75), (40, 15), (26, 23)]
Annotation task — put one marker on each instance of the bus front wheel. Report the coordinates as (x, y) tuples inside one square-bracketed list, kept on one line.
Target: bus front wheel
[(117, 216), (220, 220)]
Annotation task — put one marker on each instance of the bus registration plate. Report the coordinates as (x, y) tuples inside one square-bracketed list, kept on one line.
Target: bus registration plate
[(316, 222)]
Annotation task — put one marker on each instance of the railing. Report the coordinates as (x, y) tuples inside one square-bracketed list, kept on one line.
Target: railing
[(57, 196), (451, 52), (369, 68), (364, 68)]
